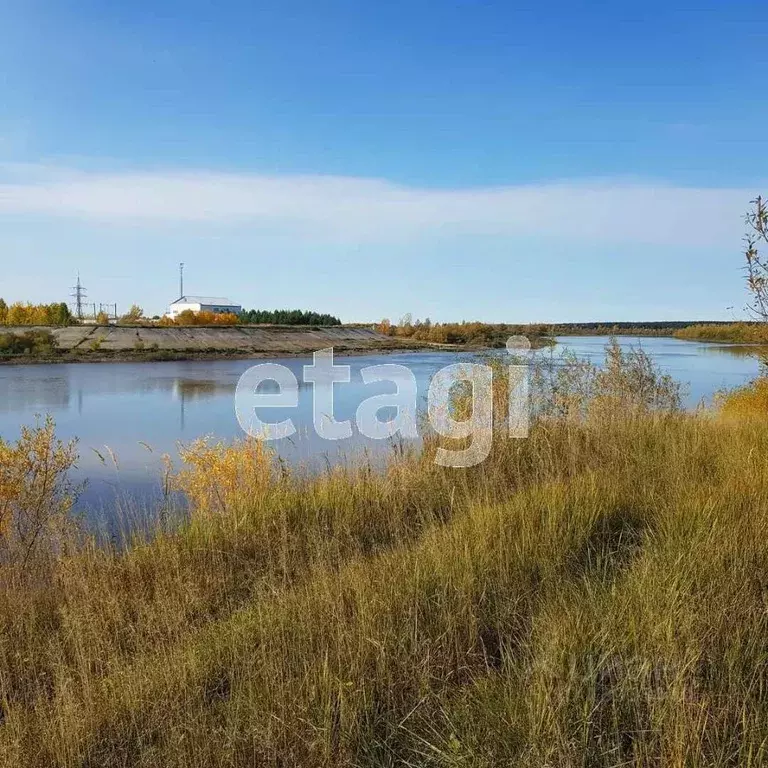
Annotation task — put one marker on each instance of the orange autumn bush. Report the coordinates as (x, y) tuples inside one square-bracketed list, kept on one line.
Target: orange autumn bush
[(749, 400), (217, 478), (36, 494), (188, 318)]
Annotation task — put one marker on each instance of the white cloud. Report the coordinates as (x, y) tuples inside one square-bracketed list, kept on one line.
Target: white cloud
[(579, 211)]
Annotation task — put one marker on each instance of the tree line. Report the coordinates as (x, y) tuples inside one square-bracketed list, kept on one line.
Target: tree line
[(20, 313), (287, 317), (188, 317), (25, 313), (252, 317)]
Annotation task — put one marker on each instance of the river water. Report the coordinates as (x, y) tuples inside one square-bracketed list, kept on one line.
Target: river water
[(127, 415)]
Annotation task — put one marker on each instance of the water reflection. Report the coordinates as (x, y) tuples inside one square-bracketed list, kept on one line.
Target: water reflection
[(50, 394), (757, 351), (193, 390), (200, 389)]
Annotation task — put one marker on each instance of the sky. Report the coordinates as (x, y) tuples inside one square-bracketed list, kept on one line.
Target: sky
[(492, 161)]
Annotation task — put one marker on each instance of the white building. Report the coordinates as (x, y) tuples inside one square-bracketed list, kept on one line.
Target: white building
[(215, 304)]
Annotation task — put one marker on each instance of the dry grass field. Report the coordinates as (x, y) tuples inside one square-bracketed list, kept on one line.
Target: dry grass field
[(594, 595)]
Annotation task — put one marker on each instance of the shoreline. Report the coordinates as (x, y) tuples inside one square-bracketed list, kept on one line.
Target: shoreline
[(384, 346), (182, 356), (109, 344), (135, 344)]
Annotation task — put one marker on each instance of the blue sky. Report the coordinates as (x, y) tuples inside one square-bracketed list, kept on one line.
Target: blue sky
[(454, 160)]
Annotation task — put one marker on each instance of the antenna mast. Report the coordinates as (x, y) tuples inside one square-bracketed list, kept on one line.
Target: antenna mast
[(181, 279)]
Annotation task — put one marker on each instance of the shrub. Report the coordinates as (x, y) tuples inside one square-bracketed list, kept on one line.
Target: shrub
[(36, 342), (215, 475), (36, 495), (749, 400), (493, 335), (730, 333), (628, 383), (190, 318)]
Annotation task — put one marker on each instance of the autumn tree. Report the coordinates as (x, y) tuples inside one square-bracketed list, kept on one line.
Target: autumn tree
[(188, 317), (133, 315), (34, 314), (757, 264)]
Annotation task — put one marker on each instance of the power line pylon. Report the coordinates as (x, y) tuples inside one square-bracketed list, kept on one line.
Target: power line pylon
[(78, 294)]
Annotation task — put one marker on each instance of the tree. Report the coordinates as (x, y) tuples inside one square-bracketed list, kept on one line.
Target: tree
[(134, 314), (286, 317), (757, 265), (61, 314), (34, 314), (20, 314), (187, 317)]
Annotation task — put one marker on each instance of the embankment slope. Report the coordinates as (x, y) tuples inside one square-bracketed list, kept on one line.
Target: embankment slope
[(235, 339)]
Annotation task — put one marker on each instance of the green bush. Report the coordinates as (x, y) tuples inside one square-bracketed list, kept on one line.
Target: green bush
[(35, 342)]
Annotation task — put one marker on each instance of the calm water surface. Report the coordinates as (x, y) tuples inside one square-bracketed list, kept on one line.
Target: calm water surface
[(136, 412)]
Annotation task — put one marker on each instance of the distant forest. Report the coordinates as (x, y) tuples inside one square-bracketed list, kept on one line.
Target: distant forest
[(287, 317)]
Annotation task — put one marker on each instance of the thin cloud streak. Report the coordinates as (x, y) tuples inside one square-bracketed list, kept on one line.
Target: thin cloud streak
[(371, 210)]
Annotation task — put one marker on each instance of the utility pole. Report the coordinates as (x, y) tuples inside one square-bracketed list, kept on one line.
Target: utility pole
[(181, 279), (78, 293)]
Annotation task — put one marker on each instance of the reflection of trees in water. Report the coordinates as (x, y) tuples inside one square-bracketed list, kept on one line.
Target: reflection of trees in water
[(758, 351), (55, 393), (196, 390), (202, 389), (44, 393), (271, 387), (189, 390)]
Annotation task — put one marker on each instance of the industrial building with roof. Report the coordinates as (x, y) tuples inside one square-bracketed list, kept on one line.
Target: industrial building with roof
[(216, 304)]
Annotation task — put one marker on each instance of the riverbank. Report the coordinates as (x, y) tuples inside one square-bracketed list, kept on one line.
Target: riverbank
[(495, 334), (592, 595), (109, 344), (202, 355), (726, 333), (246, 338)]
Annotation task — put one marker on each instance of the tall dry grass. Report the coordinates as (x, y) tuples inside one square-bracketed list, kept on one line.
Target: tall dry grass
[(731, 333), (594, 595)]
